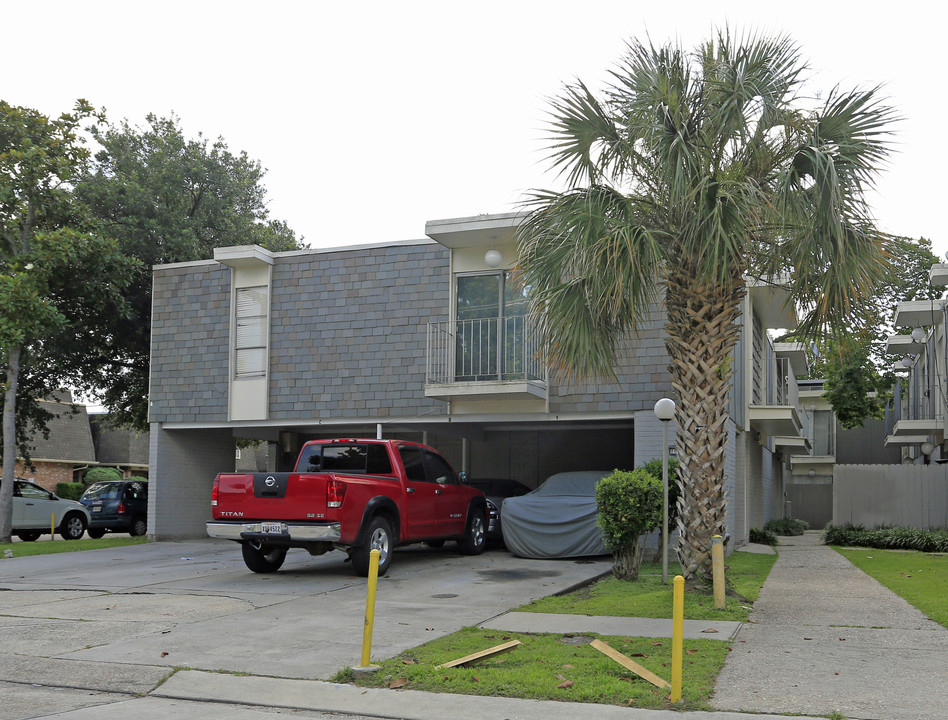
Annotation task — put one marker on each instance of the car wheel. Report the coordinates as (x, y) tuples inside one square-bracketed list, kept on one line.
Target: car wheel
[(28, 535), (263, 558), (475, 537), (72, 527), (96, 533), (378, 536), (138, 527)]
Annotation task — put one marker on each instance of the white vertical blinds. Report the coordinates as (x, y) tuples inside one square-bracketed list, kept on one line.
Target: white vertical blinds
[(252, 311)]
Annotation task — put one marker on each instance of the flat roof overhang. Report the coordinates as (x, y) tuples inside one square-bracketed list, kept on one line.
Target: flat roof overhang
[(475, 231), (796, 353), (793, 446), (819, 464), (487, 390), (919, 313), (775, 420), (903, 345), (773, 305), (911, 432)]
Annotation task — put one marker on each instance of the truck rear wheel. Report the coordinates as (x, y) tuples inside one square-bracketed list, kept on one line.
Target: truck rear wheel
[(378, 536), (263, 558), (475, 537)]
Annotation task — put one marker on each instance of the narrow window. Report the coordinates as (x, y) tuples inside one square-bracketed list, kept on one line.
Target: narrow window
[(251, 324)]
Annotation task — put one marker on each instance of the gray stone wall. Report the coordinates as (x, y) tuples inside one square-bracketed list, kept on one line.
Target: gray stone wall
[(642, 376), (348, 340), (190, 332), (348, 333)]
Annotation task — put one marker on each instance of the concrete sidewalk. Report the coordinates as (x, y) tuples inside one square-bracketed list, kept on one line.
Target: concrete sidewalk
[(825, 637)]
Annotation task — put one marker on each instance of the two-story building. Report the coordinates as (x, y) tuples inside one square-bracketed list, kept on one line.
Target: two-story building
[(427, 340), (916, 421)]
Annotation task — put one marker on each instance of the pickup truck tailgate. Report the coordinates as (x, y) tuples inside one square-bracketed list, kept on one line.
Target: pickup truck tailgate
[(262, 496)]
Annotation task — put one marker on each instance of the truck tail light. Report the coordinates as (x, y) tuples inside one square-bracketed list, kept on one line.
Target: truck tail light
[(121, 508), (216, 491), (335, 493)]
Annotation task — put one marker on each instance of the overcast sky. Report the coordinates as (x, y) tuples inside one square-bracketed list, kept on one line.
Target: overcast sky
[(373, 117)]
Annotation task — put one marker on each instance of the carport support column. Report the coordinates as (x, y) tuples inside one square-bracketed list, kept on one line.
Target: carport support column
[(182, 468)]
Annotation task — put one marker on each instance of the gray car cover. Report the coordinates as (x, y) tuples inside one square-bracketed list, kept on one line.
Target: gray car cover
[(557, 520)]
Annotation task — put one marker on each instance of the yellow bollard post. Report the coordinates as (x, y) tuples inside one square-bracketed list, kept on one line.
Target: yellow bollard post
[(717, 569), (678, 632), (52, 526), (370, 607)]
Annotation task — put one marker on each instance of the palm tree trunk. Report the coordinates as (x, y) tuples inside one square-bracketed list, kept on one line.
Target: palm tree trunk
[(702, 333), (9, 443)]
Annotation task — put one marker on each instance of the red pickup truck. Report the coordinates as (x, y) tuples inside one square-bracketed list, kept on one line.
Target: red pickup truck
[(351, 495)]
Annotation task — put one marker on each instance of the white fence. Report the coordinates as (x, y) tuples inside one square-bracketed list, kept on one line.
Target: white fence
[(898, 495)]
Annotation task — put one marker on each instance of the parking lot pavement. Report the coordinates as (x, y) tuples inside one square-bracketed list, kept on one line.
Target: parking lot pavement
[(119, 620)]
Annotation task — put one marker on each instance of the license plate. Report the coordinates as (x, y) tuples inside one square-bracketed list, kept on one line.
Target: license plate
[(271, 528), (96, 509)]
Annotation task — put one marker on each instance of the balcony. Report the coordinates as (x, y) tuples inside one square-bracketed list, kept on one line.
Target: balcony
[(484, 359), (776, 413), (913, 417)]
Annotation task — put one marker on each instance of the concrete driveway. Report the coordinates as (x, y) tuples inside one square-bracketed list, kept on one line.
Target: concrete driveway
[(119, 620)]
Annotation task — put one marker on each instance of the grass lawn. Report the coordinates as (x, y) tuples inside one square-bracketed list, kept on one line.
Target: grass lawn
[(920, 578), (650, 598), (558, 667), (47, 547), (547, 667)]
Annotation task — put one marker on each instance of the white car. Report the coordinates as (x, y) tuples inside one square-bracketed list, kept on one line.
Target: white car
[(35, 509)]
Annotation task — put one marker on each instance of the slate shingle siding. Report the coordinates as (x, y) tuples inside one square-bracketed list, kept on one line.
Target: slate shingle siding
[(190, 330), (348, 331), (347, 340), (642, 377)]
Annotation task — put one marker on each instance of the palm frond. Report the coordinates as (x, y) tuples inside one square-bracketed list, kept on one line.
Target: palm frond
[(591, 267)]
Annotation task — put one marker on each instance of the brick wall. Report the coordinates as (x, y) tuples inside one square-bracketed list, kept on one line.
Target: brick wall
[(46, 474)]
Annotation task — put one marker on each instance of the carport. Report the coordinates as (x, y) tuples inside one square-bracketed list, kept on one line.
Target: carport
[(187, 457)]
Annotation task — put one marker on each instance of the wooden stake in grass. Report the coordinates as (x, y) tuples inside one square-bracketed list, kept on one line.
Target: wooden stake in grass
[(483, 654), (628, 664)]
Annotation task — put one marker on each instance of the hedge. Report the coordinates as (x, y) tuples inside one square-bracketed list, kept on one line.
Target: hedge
[(888, 538)]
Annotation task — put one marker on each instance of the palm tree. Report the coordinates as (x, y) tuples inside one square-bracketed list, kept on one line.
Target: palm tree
[(692, 173)]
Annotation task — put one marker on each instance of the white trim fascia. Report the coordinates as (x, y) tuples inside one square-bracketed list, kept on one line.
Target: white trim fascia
[(305, 251), (493, 418)]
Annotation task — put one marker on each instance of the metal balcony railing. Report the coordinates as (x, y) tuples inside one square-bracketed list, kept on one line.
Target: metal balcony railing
[(781, 386), (490, 349)]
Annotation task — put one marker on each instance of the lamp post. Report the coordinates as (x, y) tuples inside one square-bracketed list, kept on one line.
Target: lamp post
[(665, 411)]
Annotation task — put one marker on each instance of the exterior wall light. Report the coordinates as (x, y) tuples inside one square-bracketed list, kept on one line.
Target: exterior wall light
[(919, 335), (493, 259)]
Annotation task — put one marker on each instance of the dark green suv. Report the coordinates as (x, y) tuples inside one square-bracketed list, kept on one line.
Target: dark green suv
[(117, 506)]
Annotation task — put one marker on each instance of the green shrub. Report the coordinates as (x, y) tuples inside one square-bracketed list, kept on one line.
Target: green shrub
[(655, 468), (70, 490), (763, 537), (888, 538), (630, 505), (787, 526), (101, 474)]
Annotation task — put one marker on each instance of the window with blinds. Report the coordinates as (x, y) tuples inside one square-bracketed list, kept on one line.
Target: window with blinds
[(250, 348)]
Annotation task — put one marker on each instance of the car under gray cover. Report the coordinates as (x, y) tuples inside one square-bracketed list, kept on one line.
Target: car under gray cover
[(557, 520)]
